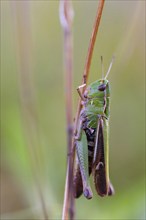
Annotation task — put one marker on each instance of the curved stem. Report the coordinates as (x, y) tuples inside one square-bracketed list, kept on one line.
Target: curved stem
[(89, 56), (66, 17)]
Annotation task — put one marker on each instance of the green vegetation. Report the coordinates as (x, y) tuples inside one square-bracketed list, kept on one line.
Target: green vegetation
[(121, 33)]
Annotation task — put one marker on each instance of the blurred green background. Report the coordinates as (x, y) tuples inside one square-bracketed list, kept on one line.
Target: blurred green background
[(33, 122)]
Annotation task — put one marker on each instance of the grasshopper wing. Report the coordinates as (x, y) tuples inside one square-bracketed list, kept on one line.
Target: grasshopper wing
[(77, 181), (100, 161)]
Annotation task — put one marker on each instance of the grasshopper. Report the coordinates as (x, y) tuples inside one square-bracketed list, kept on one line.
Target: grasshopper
[(92, 139)]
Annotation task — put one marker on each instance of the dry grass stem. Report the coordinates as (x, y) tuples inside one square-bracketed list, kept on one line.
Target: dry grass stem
[(66, 18), (66, 14), (89, 56)]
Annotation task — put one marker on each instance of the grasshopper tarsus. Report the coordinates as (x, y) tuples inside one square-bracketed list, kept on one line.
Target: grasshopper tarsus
[(77, 137), (88, 193), (111, 190), (79, 90)]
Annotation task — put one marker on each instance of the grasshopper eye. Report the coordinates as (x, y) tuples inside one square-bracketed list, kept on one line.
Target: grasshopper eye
[(102, 87)]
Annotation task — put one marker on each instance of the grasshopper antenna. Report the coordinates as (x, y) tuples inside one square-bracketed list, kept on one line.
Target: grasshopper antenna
[(102, 67), (110, 66)]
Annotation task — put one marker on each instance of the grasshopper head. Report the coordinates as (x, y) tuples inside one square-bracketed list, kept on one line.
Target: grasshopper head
[(97, 88)]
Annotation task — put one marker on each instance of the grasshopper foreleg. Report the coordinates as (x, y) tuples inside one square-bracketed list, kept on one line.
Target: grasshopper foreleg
[(79, 132), (80, 91)]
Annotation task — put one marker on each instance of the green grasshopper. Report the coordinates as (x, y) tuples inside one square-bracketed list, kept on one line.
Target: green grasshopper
[(92, 139)]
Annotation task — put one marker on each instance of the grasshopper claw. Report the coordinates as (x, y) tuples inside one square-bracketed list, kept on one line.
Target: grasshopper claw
[(77, 137), (88, 193), (111, 190)]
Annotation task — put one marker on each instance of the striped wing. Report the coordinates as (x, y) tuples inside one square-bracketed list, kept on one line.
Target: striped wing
[(100, 161)]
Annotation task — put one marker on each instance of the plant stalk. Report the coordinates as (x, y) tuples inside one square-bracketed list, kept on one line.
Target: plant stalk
[(66, 19)]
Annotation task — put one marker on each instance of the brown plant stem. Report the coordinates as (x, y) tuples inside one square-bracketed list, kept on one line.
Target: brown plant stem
[(66, 18), (89, 57)]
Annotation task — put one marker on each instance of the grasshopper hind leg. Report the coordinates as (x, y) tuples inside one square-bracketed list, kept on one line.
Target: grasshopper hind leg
[(77, 180), (81, 180)]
